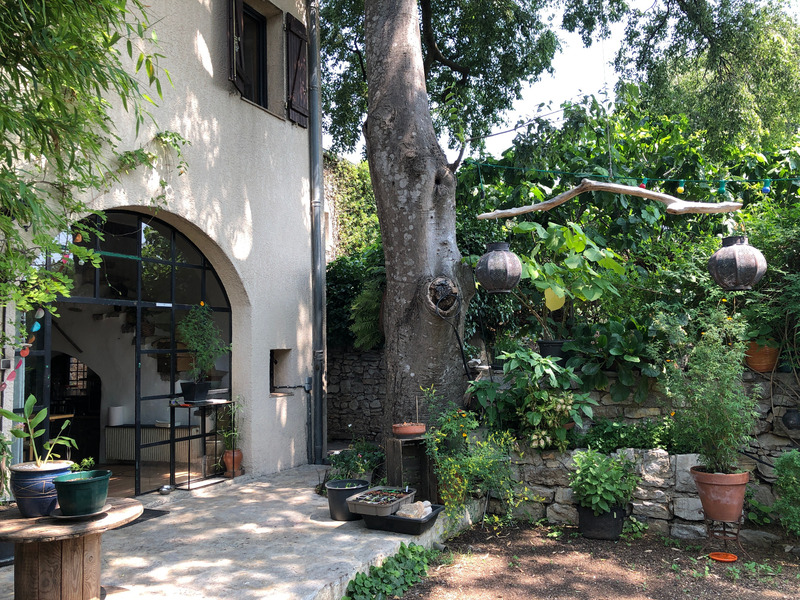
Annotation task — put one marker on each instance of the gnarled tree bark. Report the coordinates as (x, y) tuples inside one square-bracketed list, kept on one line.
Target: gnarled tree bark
[(427, 288)]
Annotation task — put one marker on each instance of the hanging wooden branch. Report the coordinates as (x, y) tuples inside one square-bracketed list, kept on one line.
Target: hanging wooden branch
[(675, 206)]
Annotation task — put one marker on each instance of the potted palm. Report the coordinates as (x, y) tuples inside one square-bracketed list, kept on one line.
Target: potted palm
[(32, 482), (602, 487), (714, 414), (204, 342)]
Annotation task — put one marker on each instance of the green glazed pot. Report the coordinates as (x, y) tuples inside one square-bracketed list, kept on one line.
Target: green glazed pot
[(82, 493)]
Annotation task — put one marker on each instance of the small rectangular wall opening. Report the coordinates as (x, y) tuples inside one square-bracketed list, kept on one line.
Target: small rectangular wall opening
[(279, 362)]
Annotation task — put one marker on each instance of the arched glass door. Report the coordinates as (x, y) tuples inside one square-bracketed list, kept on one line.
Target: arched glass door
[(119, 329)]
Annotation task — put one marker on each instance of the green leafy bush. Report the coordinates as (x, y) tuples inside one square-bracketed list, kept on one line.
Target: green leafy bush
[(393, 577), (600, 482), (359, 458), (787, 472), (607, 436), (535, 399)]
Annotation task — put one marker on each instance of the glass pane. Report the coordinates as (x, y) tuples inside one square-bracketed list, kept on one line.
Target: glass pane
[(214, 292), (154, 470), (156, 324), (156, 281), (185, 252), (121, 234), (84, 281), (33, 368), (187, 285), (118, 278), (156, 241)]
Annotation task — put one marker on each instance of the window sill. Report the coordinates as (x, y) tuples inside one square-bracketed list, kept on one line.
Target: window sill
[(266, 110), (281, 394)]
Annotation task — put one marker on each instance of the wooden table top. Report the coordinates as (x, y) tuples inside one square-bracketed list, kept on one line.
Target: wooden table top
[(15, 528)]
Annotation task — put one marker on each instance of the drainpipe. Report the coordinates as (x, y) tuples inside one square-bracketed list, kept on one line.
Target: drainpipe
[(317, 238)]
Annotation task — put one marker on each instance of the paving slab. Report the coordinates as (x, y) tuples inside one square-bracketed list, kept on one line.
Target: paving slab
[(269, 537)]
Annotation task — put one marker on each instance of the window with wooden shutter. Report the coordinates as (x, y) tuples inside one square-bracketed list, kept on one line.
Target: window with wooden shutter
[(297, 63), (255, 48), (237, 72)]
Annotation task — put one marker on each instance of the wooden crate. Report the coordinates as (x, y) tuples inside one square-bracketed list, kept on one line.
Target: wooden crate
[(407, 463)]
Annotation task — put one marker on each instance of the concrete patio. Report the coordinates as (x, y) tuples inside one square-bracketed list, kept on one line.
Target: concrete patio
[(249, 538)]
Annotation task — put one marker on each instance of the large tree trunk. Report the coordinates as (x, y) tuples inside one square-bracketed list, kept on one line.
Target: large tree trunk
[(427, 288)]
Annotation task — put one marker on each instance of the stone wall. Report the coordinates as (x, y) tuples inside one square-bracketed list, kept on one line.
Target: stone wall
[(666, 498), (356, 391)]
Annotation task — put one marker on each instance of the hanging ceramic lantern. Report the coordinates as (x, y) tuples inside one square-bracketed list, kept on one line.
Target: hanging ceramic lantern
[(737, 265), (499, 270)]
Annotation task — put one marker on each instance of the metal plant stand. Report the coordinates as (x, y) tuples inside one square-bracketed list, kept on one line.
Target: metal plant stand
[(727, 531)]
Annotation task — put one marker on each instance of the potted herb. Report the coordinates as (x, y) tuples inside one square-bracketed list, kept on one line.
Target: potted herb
[(229, 431), (714, 414), (204, 341), (357, 461), (602, 487), (82, 492), (32, 482)]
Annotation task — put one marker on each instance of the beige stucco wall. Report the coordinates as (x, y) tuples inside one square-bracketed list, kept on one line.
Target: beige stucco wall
[(244, 201)]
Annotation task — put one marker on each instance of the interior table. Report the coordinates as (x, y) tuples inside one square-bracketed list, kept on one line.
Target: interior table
[(60, 558)]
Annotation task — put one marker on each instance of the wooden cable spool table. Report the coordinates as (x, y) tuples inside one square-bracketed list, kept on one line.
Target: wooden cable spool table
[(60, 558)]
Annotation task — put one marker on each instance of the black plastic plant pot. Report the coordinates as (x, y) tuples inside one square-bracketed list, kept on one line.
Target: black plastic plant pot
[(339, 491), (607, 526)]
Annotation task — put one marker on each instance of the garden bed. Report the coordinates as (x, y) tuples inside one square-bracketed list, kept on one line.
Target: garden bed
[(535, 563)]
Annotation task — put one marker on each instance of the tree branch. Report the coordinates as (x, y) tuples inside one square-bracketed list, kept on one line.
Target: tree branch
[(434, 54), (675, 206)]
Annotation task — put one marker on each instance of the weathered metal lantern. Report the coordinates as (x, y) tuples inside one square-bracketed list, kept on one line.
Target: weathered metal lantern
[(791, 419), (499, 270), (737, 265)]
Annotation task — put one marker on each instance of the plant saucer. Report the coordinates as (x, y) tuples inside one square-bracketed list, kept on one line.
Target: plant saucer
[(723, 556), (57, 514)]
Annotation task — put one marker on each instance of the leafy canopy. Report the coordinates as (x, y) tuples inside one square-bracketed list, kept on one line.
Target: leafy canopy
[(60, 68)]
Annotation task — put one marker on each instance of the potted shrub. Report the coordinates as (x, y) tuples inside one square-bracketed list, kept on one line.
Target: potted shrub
[(32, 482), (602, 486), (229, 431), (357, 461), (204, 342), (714, 415)]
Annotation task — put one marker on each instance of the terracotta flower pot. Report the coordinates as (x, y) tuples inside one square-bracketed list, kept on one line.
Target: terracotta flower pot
[(407, 430), (761, 358), (232, 459), (722, 495)]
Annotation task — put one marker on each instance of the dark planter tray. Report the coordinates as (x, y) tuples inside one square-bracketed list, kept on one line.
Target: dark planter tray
[(403, 524), (359, 506)]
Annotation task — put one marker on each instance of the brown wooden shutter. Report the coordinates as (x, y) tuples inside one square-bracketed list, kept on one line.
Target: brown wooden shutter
[(235, 51), (297, 61)]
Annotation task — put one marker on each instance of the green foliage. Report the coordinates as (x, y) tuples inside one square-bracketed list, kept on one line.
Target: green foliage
[(346, 278), (535, 399), (787, 484), (365, 314), (607, 436), (29, 421), (228, 425), (349, 189), (755, 511), (464, 463), (59, 70), (203, 339), (86, 464), (358, 458), (600, 482), (613, 345), (477, 55), (714, 414), (393, 577), (633, 529), (732, 66), (5, 462)]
